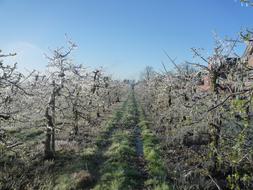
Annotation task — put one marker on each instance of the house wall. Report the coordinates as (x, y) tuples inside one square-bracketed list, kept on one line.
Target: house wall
[(250, 61)]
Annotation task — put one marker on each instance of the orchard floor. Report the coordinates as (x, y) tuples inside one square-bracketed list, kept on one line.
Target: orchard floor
[(117, 152)]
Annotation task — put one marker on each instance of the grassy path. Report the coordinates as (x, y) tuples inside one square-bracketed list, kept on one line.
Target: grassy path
[(154, 166), (129, 153), (119, 169)]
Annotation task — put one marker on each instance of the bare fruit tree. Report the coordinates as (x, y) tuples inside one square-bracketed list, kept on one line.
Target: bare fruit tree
[(206, 131), (59, 66), (11, 88)]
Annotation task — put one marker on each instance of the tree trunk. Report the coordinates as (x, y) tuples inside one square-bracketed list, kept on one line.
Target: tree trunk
[(75, 112), (53, 140), (49, 151), (76, 129), (215, 137), (53, 124), (109, 100), (98, 113), (213, 82), (50, 133)]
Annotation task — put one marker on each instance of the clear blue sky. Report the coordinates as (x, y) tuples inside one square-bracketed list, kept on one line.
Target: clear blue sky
[(123, 36)]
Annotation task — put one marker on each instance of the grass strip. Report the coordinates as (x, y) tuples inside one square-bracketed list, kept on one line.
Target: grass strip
[(119, 170), (152, 154)]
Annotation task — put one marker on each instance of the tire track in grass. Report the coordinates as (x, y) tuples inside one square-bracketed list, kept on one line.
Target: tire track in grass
[(94, 156), (153, 162), (132, 159), (120, 170), (139, 144)]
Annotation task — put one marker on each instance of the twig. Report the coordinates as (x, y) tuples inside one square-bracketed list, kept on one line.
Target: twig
[(233, 94), (198, 54), (199, 65), (14, 145), (172, 61), (214, 182), (164, 68)]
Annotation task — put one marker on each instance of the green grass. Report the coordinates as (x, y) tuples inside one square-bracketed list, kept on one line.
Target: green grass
[(79, 170), (152, 154), (103, 139), (28, 134), (118, 171), (109, 164)]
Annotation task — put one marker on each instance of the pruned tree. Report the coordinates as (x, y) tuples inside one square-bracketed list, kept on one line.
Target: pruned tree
[(11, 89), (59, 65), (197, 126)]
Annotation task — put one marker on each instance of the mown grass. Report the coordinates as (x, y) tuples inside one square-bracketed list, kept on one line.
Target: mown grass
[(72, 169), (91, 158), (110, 163), (152, 154), (25, 138), (103, 139), (27, 134), (119, 170), (82, 171)]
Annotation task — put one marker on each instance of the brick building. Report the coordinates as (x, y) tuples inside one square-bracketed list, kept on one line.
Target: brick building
[(248, 54)]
